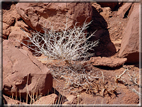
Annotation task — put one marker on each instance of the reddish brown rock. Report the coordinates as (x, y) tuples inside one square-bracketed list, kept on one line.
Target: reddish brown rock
[(112, 5), (44, 60), (17, 36), (105, 47), (127, 96), (9, 101), (106, 61), (10, 16), (106, 13), (97, 6), (124, 96), (22, 25), (130, 41), (39, 15), (70, 99), (49, 99), (23, 74), (6, 30), (5, 26), (123, 9)]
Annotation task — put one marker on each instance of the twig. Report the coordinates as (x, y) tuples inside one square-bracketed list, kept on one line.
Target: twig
[(134, 81), (134, 90), (118, 77)]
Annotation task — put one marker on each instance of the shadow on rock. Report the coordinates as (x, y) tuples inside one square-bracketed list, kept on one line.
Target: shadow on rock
[(105, 47)]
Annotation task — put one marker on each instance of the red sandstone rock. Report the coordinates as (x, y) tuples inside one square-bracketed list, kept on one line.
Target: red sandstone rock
[(23, 74), (10, 101), (39, 15), (49, 99), (127, 96), (105, 47), (17, 36), (70, 99), (22, 25), (104, 11), (6, 30), (109, 62), (123, 9), (130, 41), (97, 6), (9, 18), (112, 5)]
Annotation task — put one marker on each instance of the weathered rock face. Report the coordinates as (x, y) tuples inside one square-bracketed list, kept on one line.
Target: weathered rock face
[(10, 101), (123, 9), (97, 6), (112, 5), (104, 11), (39, 15), (50, 99), (17, 36), (105, 47), (70, 99), (108, 62), (9, 18), (6, 30), (130, 41), (23, 74)]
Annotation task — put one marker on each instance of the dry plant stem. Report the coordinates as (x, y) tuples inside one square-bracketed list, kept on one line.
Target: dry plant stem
[(105, 89), (103, 77), (12, 95), (119, 77), (78, 99), (103, 84), (27, 90), (134, 80), (32, 98), (20, 96), (36, 95), (59, 99), (67, 45), (33, 94), (134, 90), (16, 95)]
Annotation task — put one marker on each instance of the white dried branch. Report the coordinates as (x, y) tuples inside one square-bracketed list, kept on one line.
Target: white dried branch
[(69, 45)]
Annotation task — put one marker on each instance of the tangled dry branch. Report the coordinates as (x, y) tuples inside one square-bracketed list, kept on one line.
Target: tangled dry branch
[(68, 45)]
